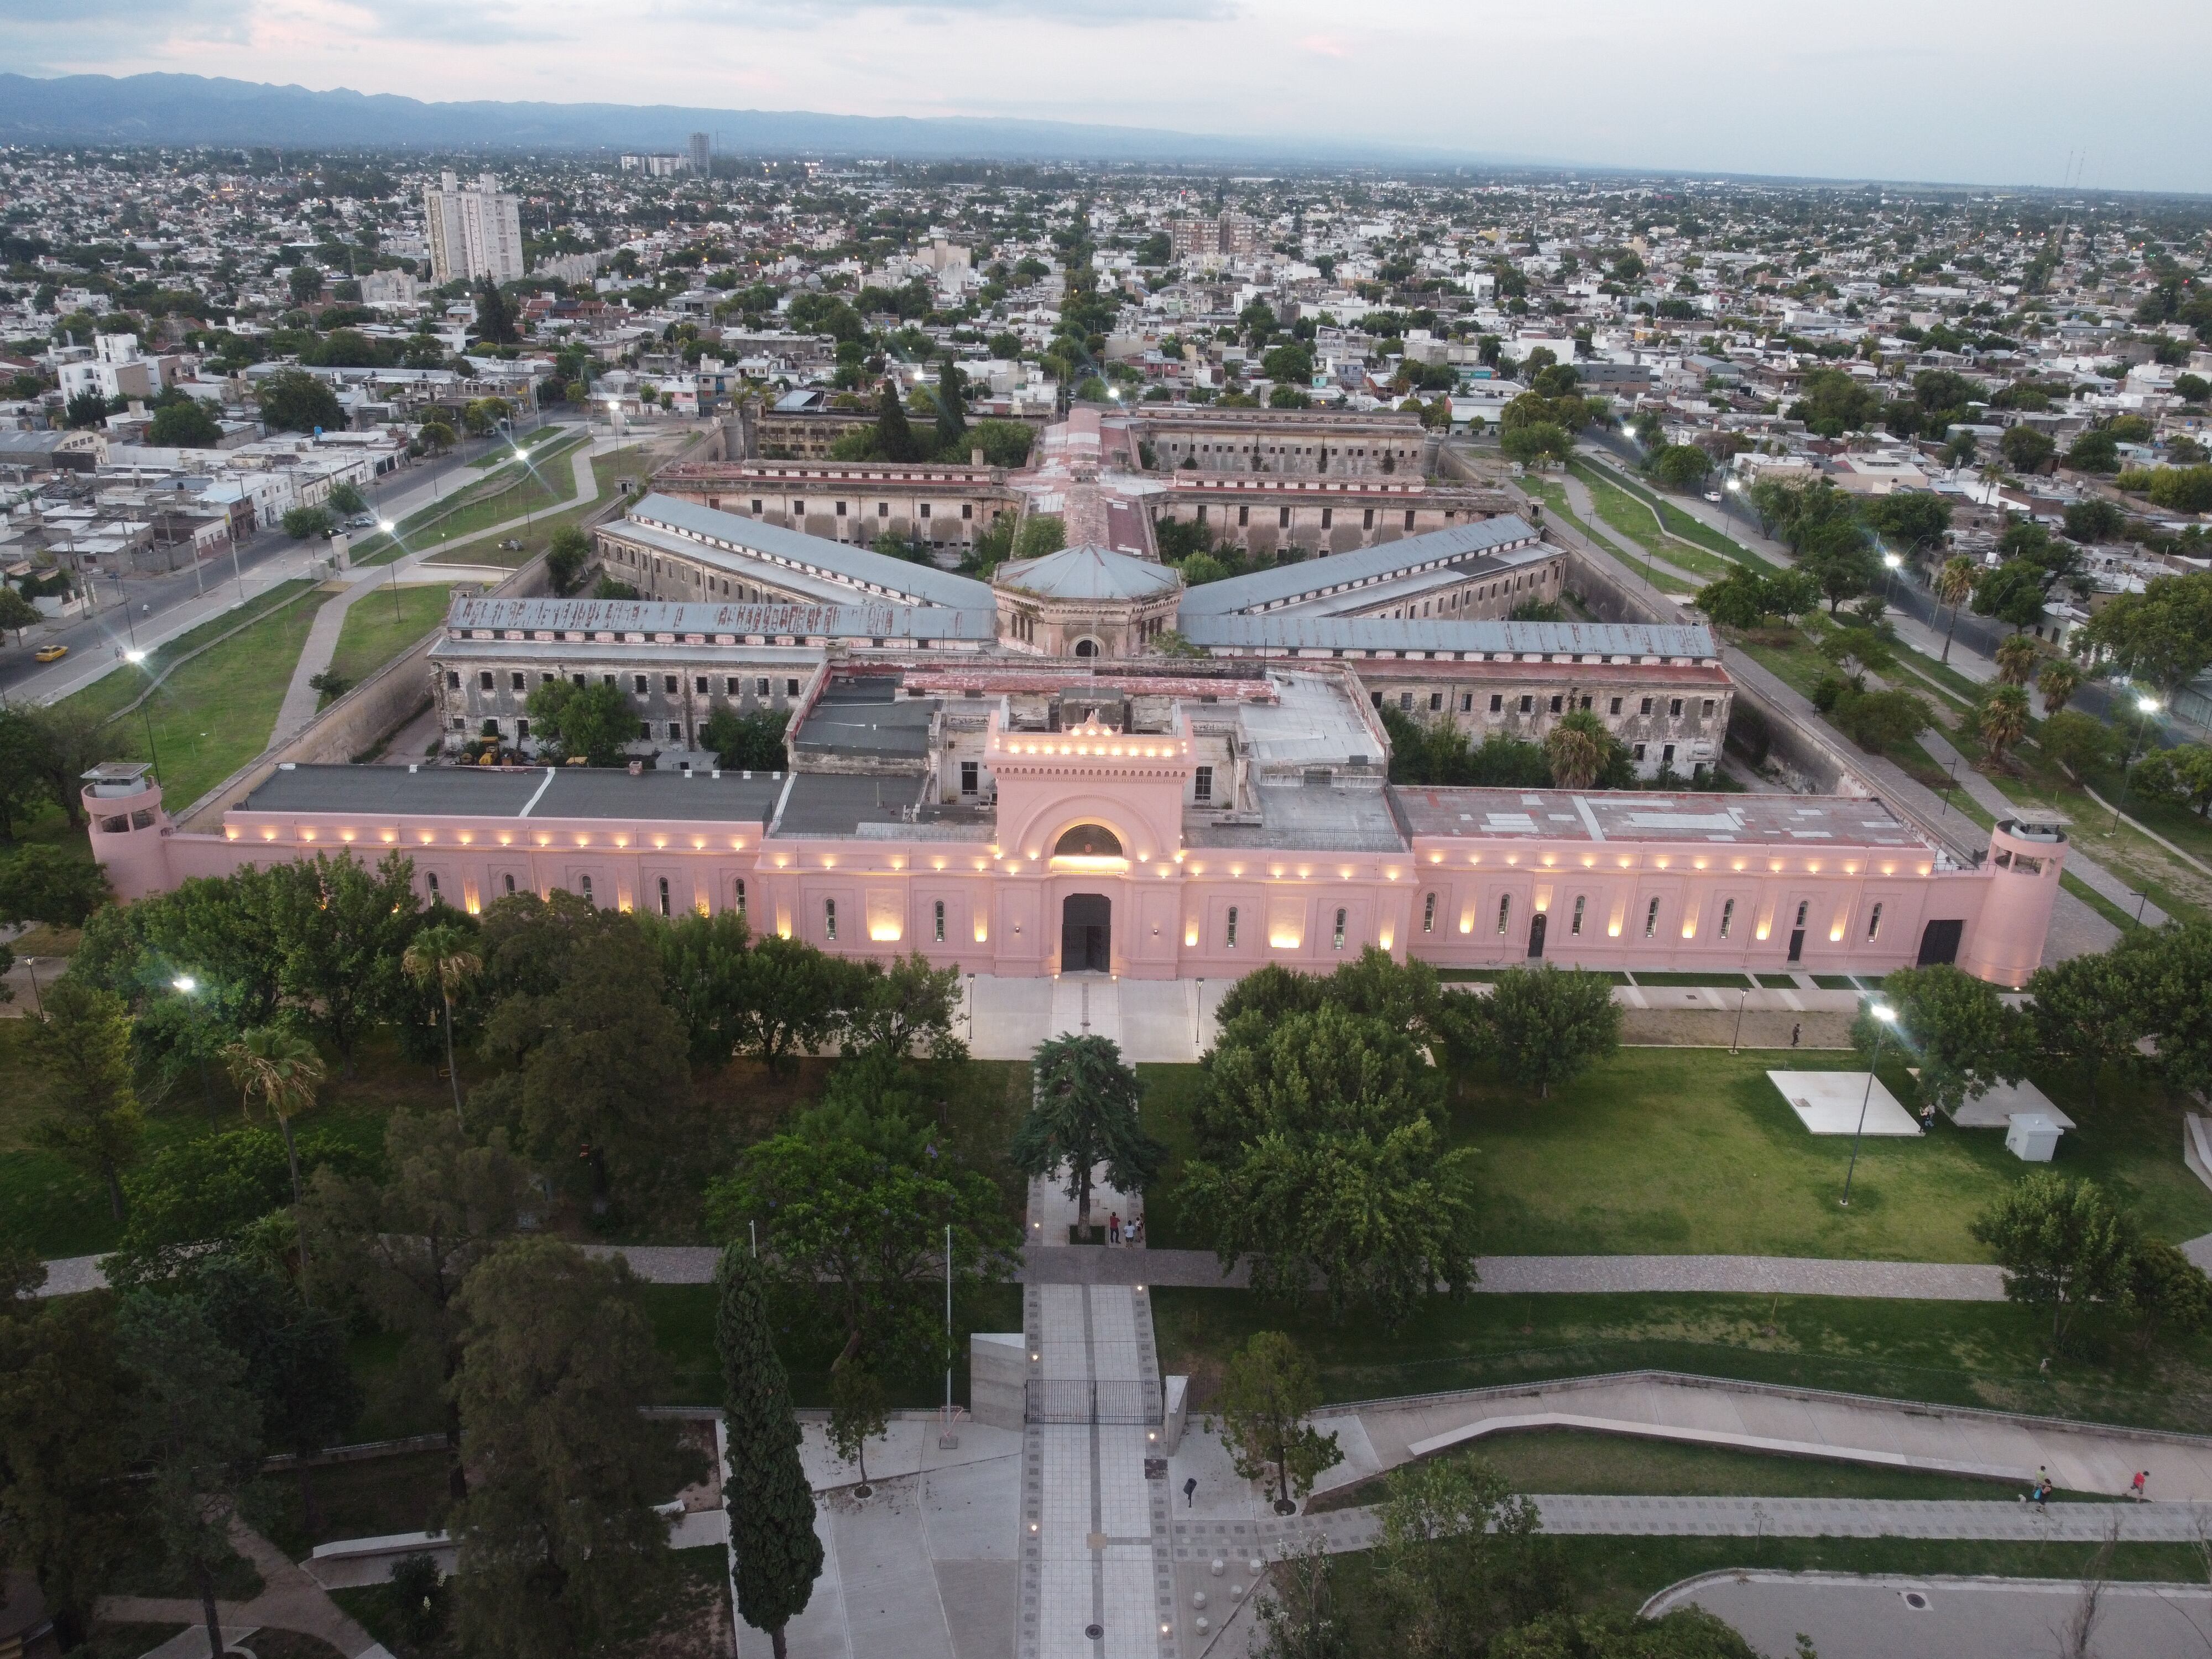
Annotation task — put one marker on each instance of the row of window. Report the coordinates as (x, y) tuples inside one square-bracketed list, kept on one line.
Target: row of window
[(883, 508), (641, 684), (1559, 701), (1228, 930), (1650, 916), (1283, 516)]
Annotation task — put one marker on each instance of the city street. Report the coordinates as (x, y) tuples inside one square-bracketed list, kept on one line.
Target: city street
[(153, 608)]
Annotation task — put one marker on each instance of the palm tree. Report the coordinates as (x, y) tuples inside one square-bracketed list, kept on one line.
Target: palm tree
[(2015, 660), (1953, 582), (440, 954), (280, 1069), (2004, 719), (2058, 681), (1577, 749)]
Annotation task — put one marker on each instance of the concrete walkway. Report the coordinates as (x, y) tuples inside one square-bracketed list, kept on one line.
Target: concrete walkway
[(1626, 547), (289, 1600), (301, 699), (1994, 801)]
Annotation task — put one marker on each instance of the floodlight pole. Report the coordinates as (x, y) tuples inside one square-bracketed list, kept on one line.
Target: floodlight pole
[(1881, 1030)]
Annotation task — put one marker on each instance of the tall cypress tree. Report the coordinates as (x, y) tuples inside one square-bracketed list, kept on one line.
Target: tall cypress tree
[(951, 410), (771, 1509), (894, 439)]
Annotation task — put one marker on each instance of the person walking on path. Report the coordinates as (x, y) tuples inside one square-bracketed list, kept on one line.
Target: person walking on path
[(1113, 1227), (1797, 1031), (1927, 1117), (2135, 1487)]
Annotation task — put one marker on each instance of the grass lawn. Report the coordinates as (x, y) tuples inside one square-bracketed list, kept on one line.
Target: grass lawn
[(546, 482), (215, 713), (1637, 519), (1685, 525), (1620, 1574), (1986, 1354), (372, 1499), (1724, 982), (1569, 1460), (381, 625), (619, 464), (568, 437), (1694, 1151)]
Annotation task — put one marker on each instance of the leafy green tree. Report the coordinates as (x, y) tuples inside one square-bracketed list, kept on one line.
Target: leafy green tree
[(1268, 1392), (340, 930), (2026, 449), (87, 409), (593, 1058), (952, 410), (2094, 451), (903, 1009), (2172, 971), (307, 284), (301, 522), (66, 1501), (495, 322), (702, 965), (195, 1426), (566, 554), (1461, 1555), (84, 1046), (2094, 520), (858, 1411), (1536, 443), (1546, 1025), (444, 955), (292, 400), (2164, 1289), (1688, 1632), (347, 498), (1961, 1032), (1578, 749), (1083, 1114), (1321, 1162), (185, 424), (2161, 637), (2058, 682), (401, 1243), (1909, 518), (1879, 720), (2060, 1242), (895, 439), (296, 1365), (1680, 466), (559, 1544), (2077, 743), (17, 614), (226, 1190), (791, 997), (2013, 593), (1840, 559), (1004, 443), (436, 436), (593, 723), (859, 1230), (775, 1553), (1041, 533), (747, 742)]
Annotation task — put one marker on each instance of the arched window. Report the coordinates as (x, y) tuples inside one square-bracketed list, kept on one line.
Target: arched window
[(1505, 912), (830, 920), (1651, 919), (1575, 927), (940, 921), (664, 895), (431, 877), (1728, 917), (509, 881), (741, 898), (1232, 940), (1086, 648), (1874, 925), (1088, 841), (588, 899), (1339, 930)]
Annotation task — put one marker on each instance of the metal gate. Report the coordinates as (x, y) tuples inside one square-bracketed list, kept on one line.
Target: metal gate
[(1076, 1400)]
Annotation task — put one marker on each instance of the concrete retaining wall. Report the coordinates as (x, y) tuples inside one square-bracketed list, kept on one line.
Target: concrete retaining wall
[(997, 1372)]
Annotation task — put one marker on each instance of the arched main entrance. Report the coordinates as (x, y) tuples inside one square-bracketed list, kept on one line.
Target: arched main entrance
[(1087, 933)]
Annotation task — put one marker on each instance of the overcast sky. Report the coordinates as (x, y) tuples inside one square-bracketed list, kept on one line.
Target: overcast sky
[(1983, 91)]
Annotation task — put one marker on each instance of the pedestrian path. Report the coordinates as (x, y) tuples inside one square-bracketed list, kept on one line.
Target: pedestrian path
[(289, 1600), (1625, 547)]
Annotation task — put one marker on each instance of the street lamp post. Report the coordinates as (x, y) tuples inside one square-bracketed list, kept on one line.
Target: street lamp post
[(1890, 562), (186, 985), (2146, 706), (1885, 1015), (135, 657)]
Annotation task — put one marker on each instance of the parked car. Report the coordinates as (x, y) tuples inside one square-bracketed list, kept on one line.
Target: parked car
[(1712, 495), (512, 545), (50, 654)]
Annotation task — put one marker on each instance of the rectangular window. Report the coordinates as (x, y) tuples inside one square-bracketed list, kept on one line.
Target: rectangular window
[(1527, 704), (1651, 919), (662, 894), (1555, 704), (1616, 708), (760, 687), (1232, 928), (1339, 930), (1646, 708), (483, 680), (1575, 927), (1638, 751), (966, 509), (841, 509), (1409, 518), (1243, 514), (1406, 702), (731, 686), (1505, 912), (1328, 513), (740, 898), (1466, 703), (1367, 520), (514, 682), (1201, 784), (1706, 709), (830, 920), (452, 680), (1497, 702), (1436, 702), (925, 509), (1802, 905), (970, 776), (637, 683), (791, 687), (1429, 914), (1874, 925), (1728, 917), (1674, 708), (676, 730), (521, 730), (668, 684), (1666, 756), (645, 730), (699, 682), (575, 679), (585, 883), (797, 508), (940, 921), (1282, 518)]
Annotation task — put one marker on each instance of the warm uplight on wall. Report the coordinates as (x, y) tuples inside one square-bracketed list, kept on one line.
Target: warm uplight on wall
[(1835, 932), (982, 930), (269, 834), (306, 834), (1190, 935), (884, 933)]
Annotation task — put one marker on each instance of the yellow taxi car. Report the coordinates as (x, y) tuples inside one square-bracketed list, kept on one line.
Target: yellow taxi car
[(50, 654)]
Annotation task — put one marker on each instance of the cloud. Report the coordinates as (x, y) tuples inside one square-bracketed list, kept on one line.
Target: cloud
[(1326, 45), (806, 15)]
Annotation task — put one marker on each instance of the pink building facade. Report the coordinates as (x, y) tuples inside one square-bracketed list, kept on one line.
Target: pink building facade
[(1090, 860)]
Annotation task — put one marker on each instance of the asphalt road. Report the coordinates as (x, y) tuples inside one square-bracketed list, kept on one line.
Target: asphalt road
[(155, 607)]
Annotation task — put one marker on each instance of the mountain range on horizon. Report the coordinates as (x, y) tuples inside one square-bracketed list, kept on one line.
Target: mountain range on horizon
[(193, 109)]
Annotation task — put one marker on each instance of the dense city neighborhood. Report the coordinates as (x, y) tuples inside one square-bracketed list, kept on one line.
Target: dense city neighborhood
[(851, 902)]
